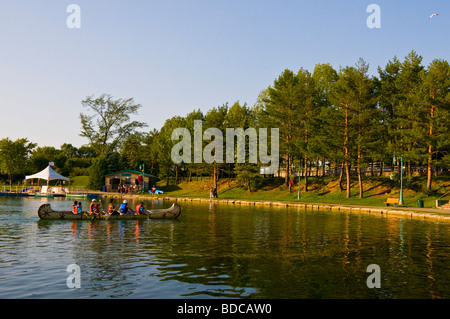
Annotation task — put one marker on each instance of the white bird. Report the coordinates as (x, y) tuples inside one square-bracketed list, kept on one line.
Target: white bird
[(434, 14)]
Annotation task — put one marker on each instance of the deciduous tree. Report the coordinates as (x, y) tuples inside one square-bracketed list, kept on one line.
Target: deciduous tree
[(109, 122)]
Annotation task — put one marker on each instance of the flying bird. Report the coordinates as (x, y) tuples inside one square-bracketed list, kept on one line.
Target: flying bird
[(434, 14)]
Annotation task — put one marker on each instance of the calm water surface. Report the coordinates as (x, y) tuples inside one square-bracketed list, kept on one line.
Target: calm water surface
[(221, 251)]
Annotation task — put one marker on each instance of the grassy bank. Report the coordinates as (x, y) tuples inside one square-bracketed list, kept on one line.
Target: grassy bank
[(79, 181), (320, 190)]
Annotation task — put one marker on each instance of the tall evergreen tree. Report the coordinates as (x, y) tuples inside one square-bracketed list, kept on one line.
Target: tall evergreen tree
[(240, 117), (328, 144), (353, 97), (190, 119), (433, 114), (164, 145), (307, 136), (341, 97), (97, 172), (281, 110), (389, 101), (366, 117), (215, 119), (405, 113), (132, 151)]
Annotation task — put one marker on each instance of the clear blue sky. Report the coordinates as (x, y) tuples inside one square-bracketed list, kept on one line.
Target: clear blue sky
[(174, 57)]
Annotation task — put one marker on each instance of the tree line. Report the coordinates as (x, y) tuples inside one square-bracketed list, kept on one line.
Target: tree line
[(345, 118)]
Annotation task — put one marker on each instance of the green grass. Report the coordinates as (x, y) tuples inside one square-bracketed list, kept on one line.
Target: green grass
[(321, 190), (79, 181)]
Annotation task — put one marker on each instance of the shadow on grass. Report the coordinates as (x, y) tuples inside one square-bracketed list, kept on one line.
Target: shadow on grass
[(170, 188), (385, 182), (379, 194)]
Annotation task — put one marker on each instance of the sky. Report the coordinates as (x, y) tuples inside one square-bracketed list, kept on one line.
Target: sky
[(174, 57)]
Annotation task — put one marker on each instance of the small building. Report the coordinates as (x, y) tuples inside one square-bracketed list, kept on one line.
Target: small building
[(129, 178)]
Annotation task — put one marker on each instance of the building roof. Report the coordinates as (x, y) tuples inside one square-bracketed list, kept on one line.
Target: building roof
[(130, 171), (48, 174)]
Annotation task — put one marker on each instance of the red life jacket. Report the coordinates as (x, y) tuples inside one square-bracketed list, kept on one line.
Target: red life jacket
[(75, 209)]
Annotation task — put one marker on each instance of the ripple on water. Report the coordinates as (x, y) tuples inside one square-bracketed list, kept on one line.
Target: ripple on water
[(222, 251)]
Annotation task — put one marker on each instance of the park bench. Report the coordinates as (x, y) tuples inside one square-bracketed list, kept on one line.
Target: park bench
[(391, 201)]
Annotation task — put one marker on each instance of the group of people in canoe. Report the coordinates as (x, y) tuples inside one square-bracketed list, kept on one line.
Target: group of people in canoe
[(96, 208)]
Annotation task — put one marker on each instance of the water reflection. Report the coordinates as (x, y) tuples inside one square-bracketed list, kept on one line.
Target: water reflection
[(223, 251)]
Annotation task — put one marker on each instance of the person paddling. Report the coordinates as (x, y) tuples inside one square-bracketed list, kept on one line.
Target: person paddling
[(93, 208), (75, 207), (111, 207), (124, 208), (140, 208)]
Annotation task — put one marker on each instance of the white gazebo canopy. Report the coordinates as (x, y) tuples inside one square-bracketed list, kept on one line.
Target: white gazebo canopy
[(48, 174)]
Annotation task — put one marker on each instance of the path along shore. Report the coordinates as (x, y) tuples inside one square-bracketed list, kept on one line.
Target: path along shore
[(406, 212)]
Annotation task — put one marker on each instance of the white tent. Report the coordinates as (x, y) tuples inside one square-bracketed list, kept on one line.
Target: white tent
[(48, 174)]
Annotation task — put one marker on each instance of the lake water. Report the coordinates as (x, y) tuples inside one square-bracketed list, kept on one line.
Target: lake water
[(221, 251)]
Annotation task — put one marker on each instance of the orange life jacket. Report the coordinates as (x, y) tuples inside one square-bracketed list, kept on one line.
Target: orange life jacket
[(137, 208), (93, 208), (75, 209)]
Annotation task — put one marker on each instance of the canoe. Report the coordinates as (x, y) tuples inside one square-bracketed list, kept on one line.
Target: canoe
[(173, 212), (47, 213), (44, 195)]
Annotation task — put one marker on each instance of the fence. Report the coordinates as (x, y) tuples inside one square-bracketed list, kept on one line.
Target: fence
[(370, 169)]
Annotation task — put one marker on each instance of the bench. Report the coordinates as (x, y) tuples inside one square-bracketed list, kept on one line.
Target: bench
[(392, 201)]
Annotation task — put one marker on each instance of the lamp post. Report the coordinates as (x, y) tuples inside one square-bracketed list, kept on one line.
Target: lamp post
[(401, 178)]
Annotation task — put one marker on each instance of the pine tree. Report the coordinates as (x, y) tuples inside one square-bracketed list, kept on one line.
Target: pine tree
[(97, 172), (433, 114), (389, 100), (308, 127), (405, 113), (281, 110), (354, 99), (366, 118), (215, 118), (240, 117)]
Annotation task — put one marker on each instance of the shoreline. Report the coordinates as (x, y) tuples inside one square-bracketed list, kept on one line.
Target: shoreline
[(416, 213)]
